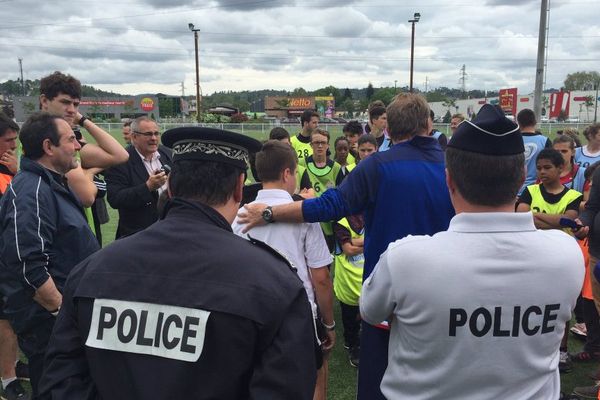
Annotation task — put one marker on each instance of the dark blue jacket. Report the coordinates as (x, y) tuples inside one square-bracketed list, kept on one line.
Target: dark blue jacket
[(44, 234), (401, 191)]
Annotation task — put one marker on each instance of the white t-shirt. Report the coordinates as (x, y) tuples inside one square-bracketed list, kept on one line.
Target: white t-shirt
[(478, 311), (302, 244)]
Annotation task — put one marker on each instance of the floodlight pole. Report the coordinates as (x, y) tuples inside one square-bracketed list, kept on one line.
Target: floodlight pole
[(415, 19), (191, 26), (539, 72)]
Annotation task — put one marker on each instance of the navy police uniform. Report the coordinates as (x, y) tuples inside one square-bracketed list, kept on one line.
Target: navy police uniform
[(183, 309)]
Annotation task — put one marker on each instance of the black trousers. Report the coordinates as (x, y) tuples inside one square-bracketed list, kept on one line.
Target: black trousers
[(34, 344), (592, 324), (351, 323)]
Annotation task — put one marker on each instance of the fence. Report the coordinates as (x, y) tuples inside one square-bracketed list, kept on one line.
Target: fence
[(261, 131)]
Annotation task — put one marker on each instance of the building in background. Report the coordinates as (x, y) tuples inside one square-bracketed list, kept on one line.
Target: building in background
[(97, 107)]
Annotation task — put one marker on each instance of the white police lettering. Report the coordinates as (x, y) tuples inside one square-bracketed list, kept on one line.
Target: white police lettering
[(144, 328), (504, 321)]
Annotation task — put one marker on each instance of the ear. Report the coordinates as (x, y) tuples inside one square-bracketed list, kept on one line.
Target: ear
[(48, 147), (239, 188), (43, 101), (450, 182), (286, 174)]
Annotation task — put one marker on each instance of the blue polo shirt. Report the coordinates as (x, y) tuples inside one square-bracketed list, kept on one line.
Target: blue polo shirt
[(401, 191)]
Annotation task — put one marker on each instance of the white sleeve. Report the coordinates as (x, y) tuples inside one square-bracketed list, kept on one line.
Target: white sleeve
[(316, 250), (377, 300)]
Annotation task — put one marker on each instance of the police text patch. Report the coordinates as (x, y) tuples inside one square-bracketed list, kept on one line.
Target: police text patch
[(144, 328)]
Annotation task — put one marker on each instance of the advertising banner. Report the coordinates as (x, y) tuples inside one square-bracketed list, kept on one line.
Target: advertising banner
[(559, 102), (508, 100)]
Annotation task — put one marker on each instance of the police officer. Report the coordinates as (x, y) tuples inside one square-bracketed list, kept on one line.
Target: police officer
[(478, 311), (186, 309)]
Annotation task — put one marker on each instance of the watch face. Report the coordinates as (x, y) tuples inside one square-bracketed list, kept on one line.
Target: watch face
[(267, 215)]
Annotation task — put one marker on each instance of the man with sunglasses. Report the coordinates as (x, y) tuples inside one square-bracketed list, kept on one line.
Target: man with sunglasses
[(134, 187)]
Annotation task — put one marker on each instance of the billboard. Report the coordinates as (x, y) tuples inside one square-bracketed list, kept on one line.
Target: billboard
[(559, 102), (325, 106), (508, 100)]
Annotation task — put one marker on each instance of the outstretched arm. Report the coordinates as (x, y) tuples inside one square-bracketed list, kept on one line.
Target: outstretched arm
[(105, 153)]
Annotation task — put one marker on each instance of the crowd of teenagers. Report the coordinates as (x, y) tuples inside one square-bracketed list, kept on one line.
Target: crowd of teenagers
[(230, 254)]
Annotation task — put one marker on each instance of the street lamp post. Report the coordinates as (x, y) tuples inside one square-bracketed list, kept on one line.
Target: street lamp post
[(191, 26), (395, 82), (415, 19)]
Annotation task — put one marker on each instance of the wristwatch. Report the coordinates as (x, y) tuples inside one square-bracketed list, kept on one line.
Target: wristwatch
[(267, 215), (82, 120)]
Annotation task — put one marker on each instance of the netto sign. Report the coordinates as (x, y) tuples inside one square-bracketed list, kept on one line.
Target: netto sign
[(147, 104)]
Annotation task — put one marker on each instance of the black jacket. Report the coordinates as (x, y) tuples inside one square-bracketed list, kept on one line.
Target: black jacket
[(591, 215), (256, 341), (44, 233), (128, 193)]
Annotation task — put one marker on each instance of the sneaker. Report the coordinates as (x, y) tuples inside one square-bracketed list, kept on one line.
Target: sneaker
[(564, 363), (579, 329), (354, 356), (22, 371), (587, 392), (14, 391)]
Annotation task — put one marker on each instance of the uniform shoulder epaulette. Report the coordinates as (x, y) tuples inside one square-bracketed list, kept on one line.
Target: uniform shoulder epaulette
[(273, 251)]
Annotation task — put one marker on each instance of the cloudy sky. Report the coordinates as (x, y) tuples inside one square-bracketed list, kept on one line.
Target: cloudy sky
[(135, 46)]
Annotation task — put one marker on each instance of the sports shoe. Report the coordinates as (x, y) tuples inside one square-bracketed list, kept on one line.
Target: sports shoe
[(579, 329), (14, 391), (587, 392), (354, 356), (564, 363), (22, 371)]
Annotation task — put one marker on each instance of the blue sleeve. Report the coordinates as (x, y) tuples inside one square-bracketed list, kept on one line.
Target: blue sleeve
[(353, 196)]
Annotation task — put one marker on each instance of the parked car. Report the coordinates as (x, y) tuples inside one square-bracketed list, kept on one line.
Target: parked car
[(290, 120), (341, 120)]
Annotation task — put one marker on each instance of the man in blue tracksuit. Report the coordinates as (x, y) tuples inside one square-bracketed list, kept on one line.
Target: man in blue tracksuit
[(401, 191), (44, 235)]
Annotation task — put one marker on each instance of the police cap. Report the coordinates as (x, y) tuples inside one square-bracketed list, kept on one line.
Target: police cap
[(489, 133), (210, 144)]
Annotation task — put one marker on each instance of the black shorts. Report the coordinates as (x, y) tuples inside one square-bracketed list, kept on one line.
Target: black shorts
[(2, 316)]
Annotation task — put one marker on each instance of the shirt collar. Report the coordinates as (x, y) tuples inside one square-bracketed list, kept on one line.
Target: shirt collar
[(492, 222), (265, 194), (155, 156)]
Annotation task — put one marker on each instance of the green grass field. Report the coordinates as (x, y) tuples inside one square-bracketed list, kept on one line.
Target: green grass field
[(342, 378)]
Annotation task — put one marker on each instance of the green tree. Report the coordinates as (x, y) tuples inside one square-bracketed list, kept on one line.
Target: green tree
[(347, 94), (589, 103), (447, 117), (582, 80), (449, 103), (370, 91), (348, 106), (299, 92), (384, 94), (435, 96)]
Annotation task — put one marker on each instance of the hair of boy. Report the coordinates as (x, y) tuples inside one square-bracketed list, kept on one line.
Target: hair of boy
[(7, 124), (273, 159), (526, 118), (551, 155), (278, 133), (376, 112), (590, 169), (307, 116), (375, 103), (407, 116), (57, 83), (320, 131), (458, 116), (367, 138), (353, 128), (340, 139), (502, 176), (591, 130)]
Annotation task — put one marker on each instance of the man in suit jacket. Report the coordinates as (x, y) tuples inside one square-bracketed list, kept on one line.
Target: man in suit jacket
[(133, 188)]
